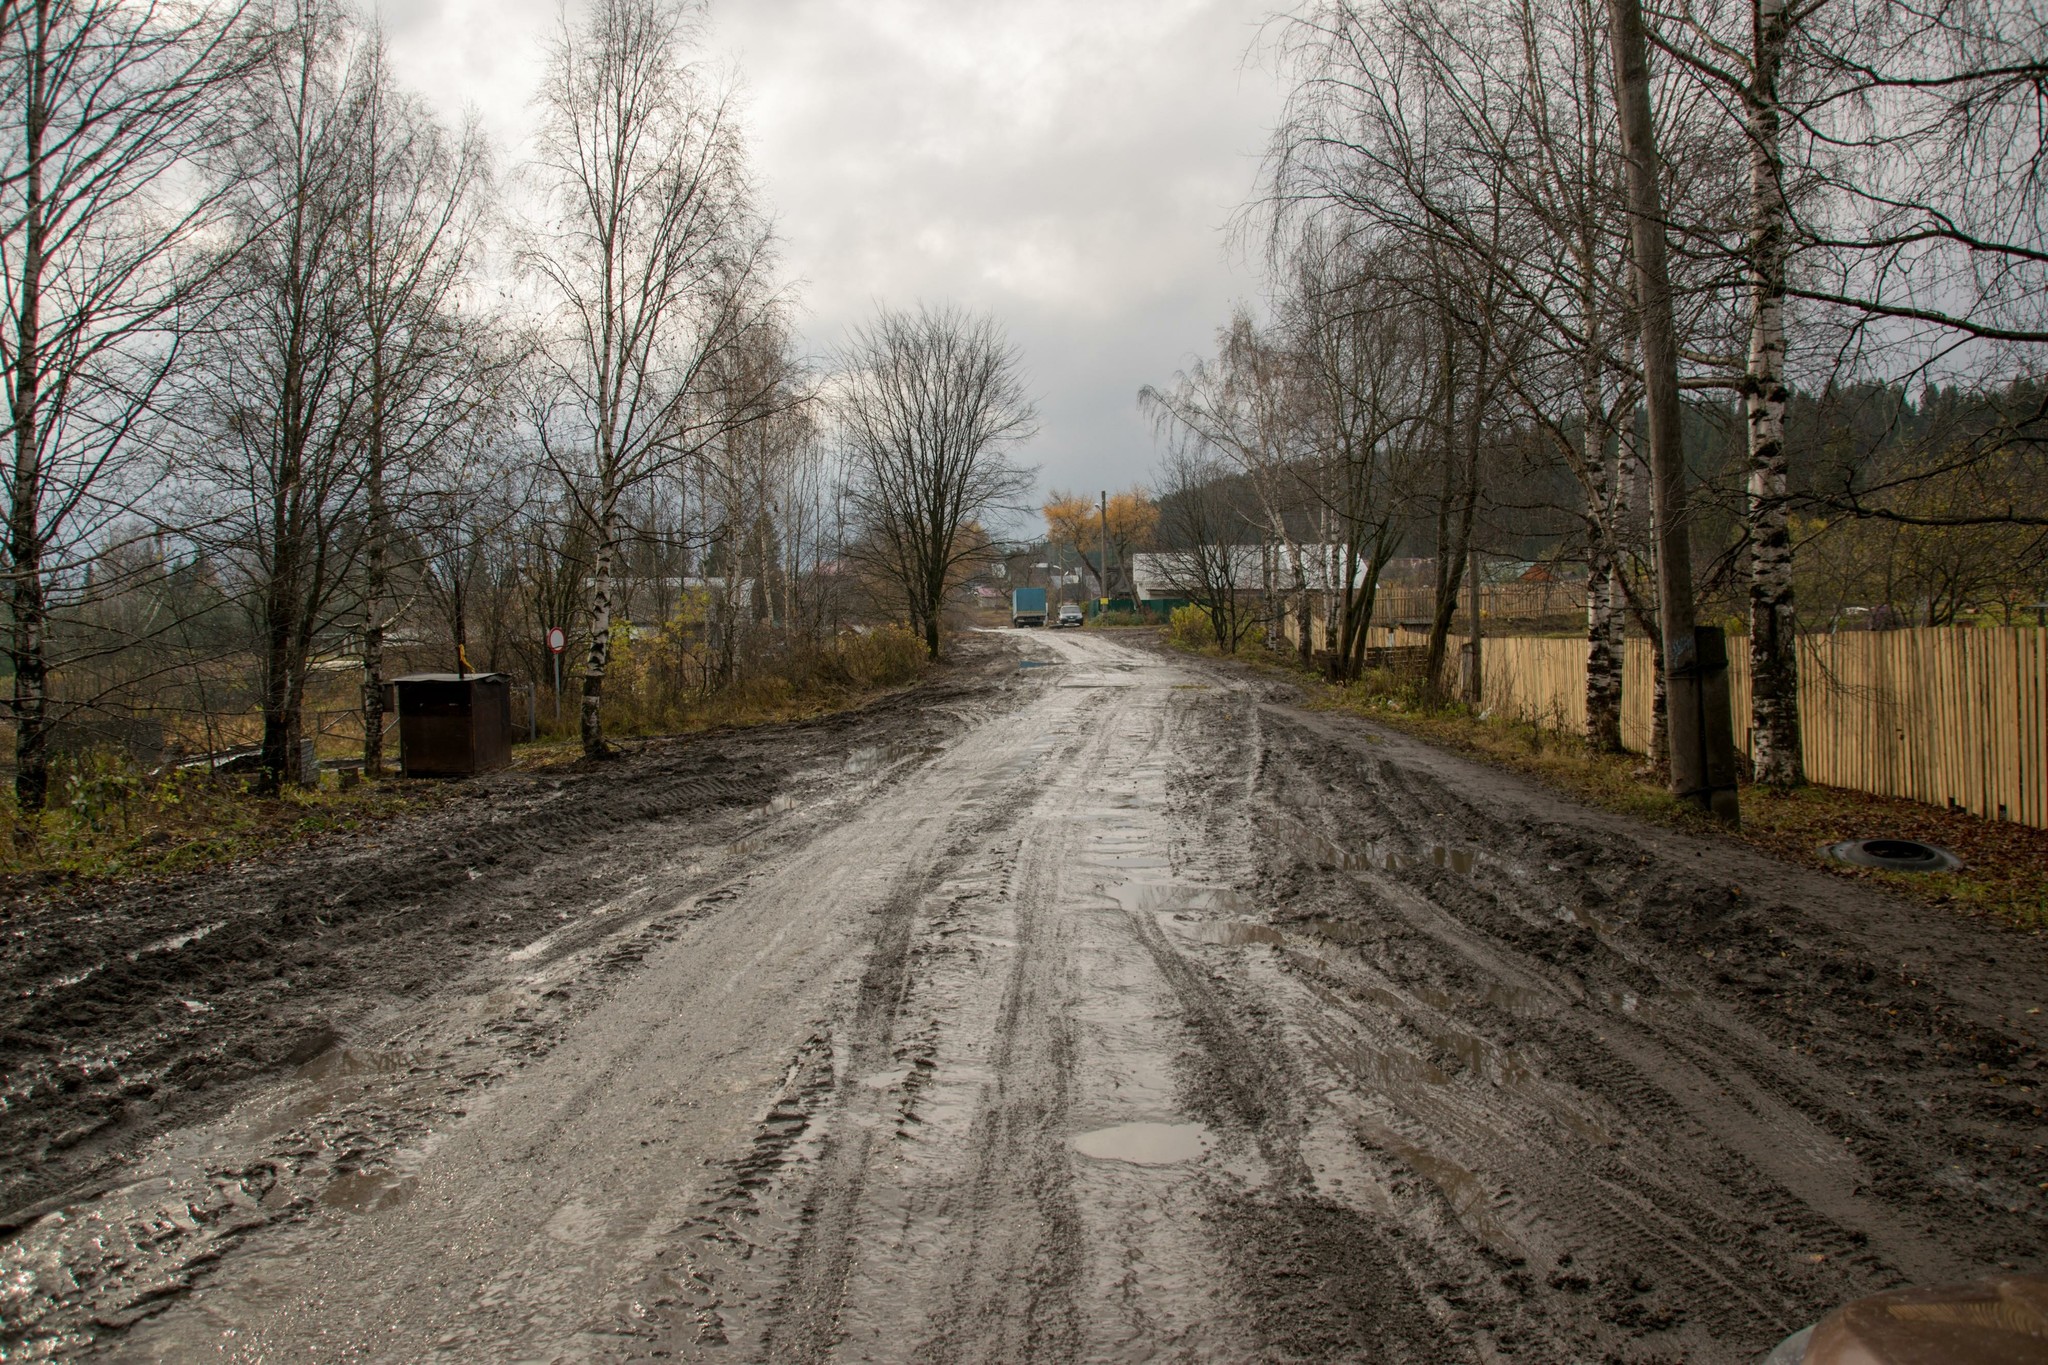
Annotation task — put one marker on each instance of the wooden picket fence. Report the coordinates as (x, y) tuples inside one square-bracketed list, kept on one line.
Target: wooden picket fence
[(1947, 716)]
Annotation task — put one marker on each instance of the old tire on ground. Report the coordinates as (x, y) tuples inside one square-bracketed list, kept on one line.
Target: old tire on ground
[(1894, 855)]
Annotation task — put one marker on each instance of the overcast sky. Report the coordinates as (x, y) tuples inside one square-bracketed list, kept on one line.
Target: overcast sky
[(1069, 165)]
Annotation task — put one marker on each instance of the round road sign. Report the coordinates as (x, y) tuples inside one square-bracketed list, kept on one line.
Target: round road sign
[(557, 640)]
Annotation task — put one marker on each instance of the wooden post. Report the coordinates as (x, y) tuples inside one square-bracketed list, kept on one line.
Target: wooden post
[(1475, 686)]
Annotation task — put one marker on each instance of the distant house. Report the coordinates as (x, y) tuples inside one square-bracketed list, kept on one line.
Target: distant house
[(1164, 576)]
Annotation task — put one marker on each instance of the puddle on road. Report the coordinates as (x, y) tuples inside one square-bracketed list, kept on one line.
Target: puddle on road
[(369, 1191), (1458, 860), (1234, 933), (1238, 933), (1145, 1144), (871, 757), (347, 1061), (1634, 1002), (176, 941), (1154, 897)]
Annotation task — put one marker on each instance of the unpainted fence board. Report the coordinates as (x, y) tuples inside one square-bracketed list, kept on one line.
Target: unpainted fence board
[(1941, 715)]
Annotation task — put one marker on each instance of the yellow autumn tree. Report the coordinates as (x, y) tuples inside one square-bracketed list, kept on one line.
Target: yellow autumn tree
[(1075, 522)]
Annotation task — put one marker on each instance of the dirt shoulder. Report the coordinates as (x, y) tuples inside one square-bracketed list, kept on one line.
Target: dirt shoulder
[(2002, 873), (128, 1008), (1701, 1093)]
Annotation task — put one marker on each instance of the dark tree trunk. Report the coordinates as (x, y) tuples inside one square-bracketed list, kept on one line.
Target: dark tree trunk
[(28, 642), (1689, 766)]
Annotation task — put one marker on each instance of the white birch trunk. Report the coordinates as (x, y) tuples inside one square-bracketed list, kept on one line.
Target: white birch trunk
[(1773, 641), (1603, 633)]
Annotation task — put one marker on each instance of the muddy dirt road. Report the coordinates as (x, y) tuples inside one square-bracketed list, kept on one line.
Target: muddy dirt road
[(1111, 1008)]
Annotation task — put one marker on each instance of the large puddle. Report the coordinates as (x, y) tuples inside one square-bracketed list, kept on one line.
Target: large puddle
[(1151, 898), (1237, 933), (1145, 1144), (369, 1191), (347, 1061), (870, 758)]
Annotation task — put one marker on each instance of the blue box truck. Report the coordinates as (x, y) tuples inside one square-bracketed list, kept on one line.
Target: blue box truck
[(1027, 607)]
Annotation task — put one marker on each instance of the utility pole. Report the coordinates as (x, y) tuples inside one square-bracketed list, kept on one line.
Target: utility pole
[(1105, 549), (1702, 742)]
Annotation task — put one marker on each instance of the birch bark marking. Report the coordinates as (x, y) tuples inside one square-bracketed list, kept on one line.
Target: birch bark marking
[(1773, 647), (1605, 495), (1603, 643), (591, 724)]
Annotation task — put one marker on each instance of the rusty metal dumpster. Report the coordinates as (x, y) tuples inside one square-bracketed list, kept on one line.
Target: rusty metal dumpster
[(452, 724)]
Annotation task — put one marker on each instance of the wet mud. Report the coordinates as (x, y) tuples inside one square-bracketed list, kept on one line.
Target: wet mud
[(1109, 1007)]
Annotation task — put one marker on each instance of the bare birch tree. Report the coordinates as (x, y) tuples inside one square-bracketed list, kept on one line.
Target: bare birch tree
[(654, 258), (1895, 186), (275, 404), (105, 110), (1367, 390), (424, 366), (1246, 405), (1207, 552)]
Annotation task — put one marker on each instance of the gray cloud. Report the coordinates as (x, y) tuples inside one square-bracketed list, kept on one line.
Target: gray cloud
[(1065, 164)]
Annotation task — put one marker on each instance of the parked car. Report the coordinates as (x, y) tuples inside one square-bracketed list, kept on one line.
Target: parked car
[(1071, 615)]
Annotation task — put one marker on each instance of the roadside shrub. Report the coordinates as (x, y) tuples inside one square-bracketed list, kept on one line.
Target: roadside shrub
[(98, 787), (1189, 627), (669, 680), (886, 656), (1120, 618)]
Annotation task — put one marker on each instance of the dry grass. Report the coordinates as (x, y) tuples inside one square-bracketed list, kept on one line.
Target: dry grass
[(107, 821), (647, 693), (2005, 866), (107, 824), (850, 673)]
